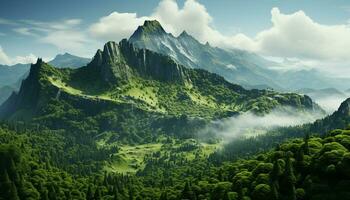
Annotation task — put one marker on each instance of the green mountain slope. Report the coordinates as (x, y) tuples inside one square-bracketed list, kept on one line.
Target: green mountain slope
[(126, 84)]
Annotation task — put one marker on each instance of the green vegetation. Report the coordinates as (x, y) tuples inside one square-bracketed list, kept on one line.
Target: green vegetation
[(38, 164), (126, 127)]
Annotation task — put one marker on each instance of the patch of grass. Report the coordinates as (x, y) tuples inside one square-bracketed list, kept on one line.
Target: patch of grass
[(129, 159), (64, 86)]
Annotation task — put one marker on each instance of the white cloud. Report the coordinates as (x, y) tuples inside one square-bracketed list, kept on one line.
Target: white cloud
[(293, 35), (24, 31), (116, 26), (193, 18), (31, 58), (69, 40), (67, 35), (6, 60), (297, 35)]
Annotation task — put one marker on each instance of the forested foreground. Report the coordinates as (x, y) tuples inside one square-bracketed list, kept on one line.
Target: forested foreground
[(42, 164)]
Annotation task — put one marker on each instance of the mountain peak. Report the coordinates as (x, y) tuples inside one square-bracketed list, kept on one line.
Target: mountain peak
[(119, 61), (149, 27), (39, 61), (152, 23), (67, 60), (184, 34), (344, 107)]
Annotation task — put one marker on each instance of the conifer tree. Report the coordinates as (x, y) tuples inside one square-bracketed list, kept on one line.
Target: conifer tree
[(89, 194)]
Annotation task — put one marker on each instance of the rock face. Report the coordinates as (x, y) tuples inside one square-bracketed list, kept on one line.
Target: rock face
[(119, 62)]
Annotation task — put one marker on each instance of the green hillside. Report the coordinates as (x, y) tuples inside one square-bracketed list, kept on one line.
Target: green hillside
[(124, 85)]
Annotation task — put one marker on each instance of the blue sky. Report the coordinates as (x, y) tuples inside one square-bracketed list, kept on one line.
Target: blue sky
[(45, 28)]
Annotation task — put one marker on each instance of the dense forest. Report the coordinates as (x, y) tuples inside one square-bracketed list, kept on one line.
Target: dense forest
[(38, 164)]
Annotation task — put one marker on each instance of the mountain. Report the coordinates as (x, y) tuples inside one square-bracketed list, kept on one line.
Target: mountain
[(294, 80), (141, 87), (67, 60), (328, 98), (235, 65), (11, 74), (5, 92), (321, 93)]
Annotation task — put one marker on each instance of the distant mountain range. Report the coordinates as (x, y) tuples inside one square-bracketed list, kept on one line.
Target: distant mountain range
[(322, 93), (69, 61), (9, 75)]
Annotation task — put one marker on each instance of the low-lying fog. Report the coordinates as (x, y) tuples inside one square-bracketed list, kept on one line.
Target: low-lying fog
[(249, 124)]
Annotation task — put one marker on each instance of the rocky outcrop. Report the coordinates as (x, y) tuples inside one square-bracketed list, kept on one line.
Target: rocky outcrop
[(344, 108), (119, 62)]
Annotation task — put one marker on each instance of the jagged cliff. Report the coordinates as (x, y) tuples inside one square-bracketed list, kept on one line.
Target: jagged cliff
[(119, 62)]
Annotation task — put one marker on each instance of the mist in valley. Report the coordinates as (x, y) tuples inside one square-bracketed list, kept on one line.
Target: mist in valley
[(330, 104), (249, 124)]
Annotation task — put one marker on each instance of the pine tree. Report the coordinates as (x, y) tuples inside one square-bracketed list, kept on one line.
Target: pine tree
[(89, 194), (187, 192), (306, 147), (163, 196), (12, 195), (8, 189), (289, 180), (131, 194), (52, 193), (12, 172), (97, 195), (276, 172), (274, 190)]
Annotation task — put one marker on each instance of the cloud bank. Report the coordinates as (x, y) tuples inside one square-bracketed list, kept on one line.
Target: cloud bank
[(291, 35), (249, 124), (6, 60)]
